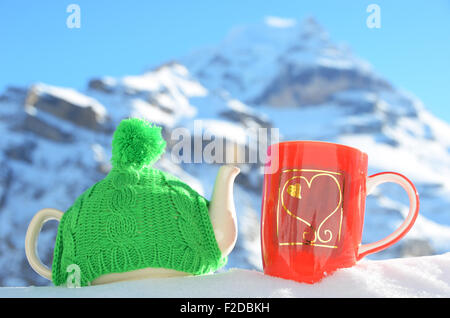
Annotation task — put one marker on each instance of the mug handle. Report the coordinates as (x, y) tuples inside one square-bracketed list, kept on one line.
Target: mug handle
[(404, 228), (32, 235)]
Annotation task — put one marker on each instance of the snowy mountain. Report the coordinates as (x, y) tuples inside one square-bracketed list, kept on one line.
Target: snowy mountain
[(277, 74)]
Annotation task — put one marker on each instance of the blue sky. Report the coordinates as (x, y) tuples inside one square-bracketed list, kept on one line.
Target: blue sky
[(411, 49)]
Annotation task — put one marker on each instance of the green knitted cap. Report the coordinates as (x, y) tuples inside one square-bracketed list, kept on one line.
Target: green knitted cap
[(136, 217)]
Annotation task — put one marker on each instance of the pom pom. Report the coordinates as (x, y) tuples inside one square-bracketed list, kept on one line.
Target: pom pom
[(136, 143)]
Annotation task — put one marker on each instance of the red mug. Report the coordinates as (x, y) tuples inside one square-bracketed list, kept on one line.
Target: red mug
[(312, 212)]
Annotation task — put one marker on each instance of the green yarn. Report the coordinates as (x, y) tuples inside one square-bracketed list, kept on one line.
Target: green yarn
[(136, 143), (136, 217)]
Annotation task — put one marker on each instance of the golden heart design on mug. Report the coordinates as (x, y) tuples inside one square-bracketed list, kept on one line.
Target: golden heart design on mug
[(313, 199)]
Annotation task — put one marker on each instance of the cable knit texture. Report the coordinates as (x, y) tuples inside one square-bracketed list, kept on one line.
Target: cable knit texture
[(137, 217)]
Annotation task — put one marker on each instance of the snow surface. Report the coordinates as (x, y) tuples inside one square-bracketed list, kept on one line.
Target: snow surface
[(426, 276)]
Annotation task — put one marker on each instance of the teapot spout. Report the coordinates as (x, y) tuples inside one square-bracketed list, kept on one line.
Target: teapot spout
[(222, 210)]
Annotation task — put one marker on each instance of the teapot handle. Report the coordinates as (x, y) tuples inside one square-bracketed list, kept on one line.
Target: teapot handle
[(32, 235)]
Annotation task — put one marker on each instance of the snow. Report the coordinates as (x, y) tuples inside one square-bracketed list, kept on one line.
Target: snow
[(426, 276), (143, 109), (438, 234), (73, 97), (168, 91), (172, 76), (400, 158), (332, 63), (251, 57), (224, 129), (308, 123)]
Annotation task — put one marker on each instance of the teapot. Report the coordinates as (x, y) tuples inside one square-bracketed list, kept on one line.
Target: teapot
[(139, 222)]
